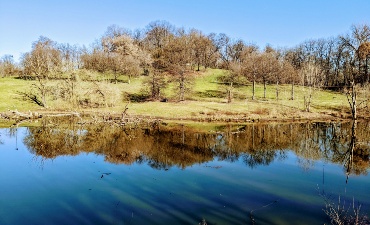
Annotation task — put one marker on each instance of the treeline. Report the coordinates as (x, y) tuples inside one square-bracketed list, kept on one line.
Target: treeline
[(166, 54)]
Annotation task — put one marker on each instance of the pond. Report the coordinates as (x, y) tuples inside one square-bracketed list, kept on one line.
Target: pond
[(82, 173)]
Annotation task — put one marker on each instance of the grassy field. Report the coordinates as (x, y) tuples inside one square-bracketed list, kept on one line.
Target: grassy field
[(9, 97), (207, 100)]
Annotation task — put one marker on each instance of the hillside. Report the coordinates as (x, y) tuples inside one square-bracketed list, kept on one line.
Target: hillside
[(206, 101)]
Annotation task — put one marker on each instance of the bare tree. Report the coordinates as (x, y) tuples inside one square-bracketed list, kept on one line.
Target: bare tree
[(268, 67), (157, 37), (311, 76), (70, 57), (8, 66), (155, 83), (222, 41), (42, 63), (364, 55), (250, 70), (95, 59), (351, 43), (44, 60), (125, 56), (291, 74), (232, 77), (177, 56), (203, 50), (351, 94), (115, 31)]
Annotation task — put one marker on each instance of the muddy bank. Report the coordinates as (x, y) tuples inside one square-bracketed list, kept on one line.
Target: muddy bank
[(16, 117)]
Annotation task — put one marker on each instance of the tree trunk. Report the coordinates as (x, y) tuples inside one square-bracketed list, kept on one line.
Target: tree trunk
[(277, 90), (183, 134), (292, 94), (307, 100), (352, 100), (252, 136), (44, 99), (366, 69), (43, 89), (253, 89), (307, 103), (182, 87), (264, 89), (153, 87), (359, 72), (229, 93), (351, 150), (354, 103)]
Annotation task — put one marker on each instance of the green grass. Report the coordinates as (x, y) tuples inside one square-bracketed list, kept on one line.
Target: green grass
[(207, 80), (207, 99), (9, 97)]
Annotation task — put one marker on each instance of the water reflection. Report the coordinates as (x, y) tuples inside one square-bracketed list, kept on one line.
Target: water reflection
[(163, 146), (157, 173)]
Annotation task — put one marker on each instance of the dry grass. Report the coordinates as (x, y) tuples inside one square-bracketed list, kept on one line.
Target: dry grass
[(342, 213)]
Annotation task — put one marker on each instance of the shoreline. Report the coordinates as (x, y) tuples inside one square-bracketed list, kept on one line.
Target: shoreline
[(17, 117)]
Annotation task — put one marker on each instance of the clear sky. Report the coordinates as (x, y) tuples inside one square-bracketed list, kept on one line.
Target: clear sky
[(280, 23)]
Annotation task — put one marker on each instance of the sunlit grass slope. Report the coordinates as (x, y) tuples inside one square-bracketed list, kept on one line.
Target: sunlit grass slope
[(9, 97), (207, 99)]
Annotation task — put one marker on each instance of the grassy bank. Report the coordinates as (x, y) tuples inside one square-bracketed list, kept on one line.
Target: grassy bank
[(206, 101)]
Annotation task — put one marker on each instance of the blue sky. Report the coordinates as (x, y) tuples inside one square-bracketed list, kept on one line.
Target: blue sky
[(280, 23)]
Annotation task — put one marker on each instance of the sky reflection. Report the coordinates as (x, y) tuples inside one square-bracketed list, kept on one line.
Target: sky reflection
[(86, 188)]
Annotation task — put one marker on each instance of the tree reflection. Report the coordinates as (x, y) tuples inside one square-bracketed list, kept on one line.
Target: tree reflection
[(356, 158), (51, 140), (261, 157), (165, 146)]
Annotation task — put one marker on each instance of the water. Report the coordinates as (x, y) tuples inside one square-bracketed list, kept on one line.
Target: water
[(245, 174)]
